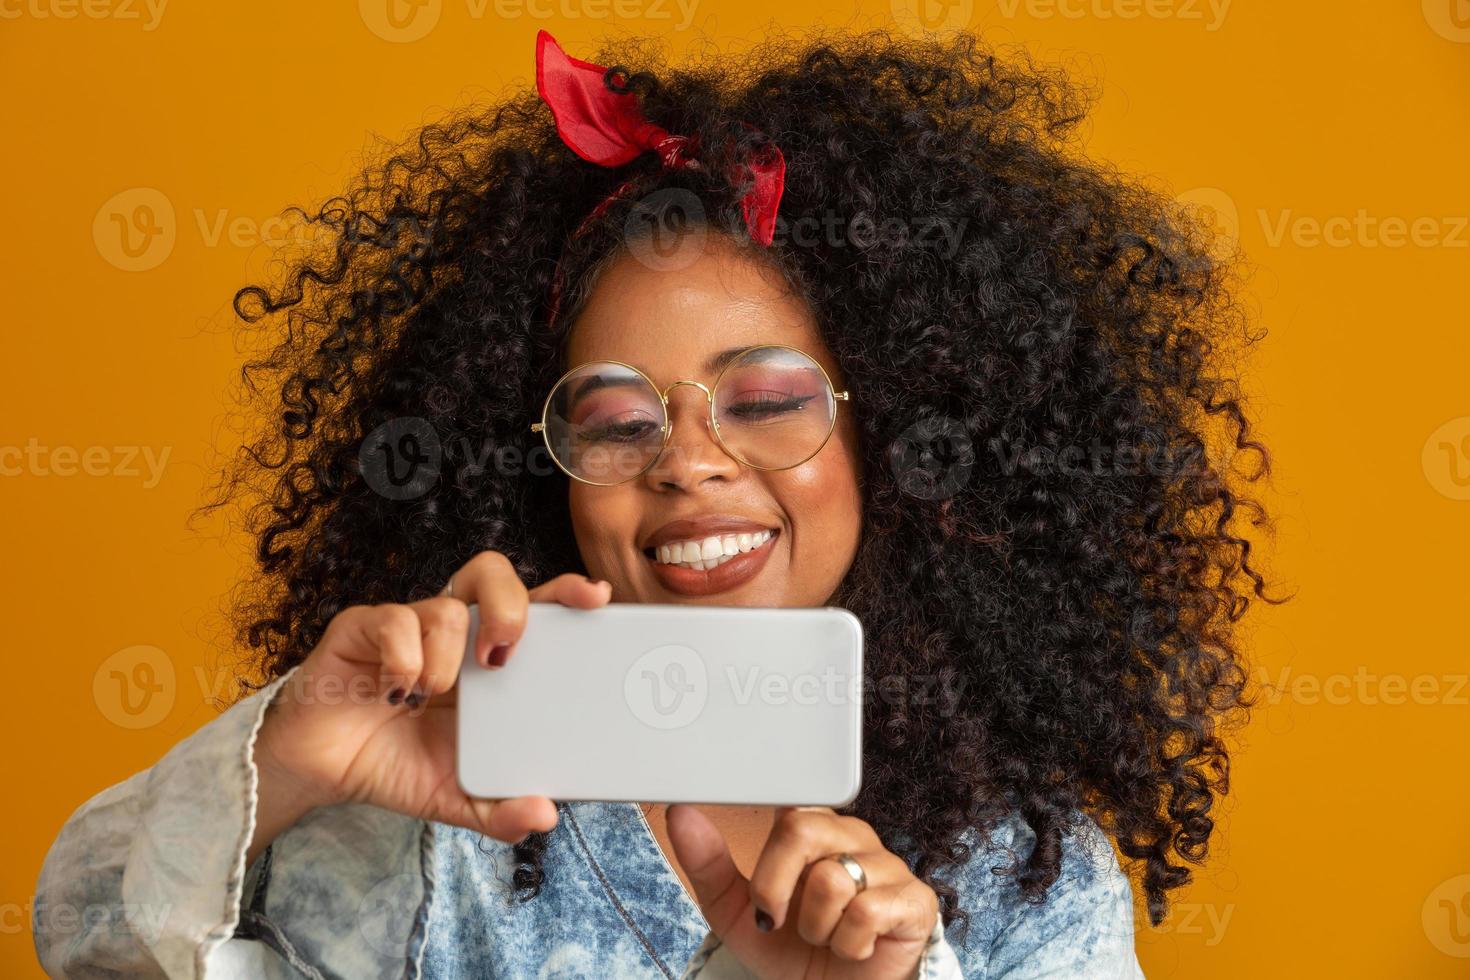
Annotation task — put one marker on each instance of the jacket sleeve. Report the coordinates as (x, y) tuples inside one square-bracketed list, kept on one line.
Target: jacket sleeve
[(714, 961), (1084, 930), (146, 879)]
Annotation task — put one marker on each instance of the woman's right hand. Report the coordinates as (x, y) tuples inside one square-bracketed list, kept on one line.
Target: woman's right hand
[(369, 716)]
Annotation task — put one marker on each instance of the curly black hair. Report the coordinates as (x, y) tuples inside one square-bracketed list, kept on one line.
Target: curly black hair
[(1056, 511)]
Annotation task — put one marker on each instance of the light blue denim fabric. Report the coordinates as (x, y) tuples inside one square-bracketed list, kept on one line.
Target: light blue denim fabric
[(148, 879)]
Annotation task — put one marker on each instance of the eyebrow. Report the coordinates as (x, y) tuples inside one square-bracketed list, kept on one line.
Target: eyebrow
[(714, 364), (711, 366), (597, 383)]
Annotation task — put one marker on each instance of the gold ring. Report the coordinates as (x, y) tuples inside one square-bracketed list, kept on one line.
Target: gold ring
[(854, 870)]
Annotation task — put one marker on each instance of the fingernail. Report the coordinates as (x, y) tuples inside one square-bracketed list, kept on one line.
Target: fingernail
[(396, 696), (763, 921), (498, 655), (484, 639)]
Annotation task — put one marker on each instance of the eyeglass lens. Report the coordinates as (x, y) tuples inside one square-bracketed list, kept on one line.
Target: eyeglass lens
[(773, 407)]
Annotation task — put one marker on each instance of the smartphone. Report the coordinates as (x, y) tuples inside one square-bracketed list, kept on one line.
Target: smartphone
[(668, 703)]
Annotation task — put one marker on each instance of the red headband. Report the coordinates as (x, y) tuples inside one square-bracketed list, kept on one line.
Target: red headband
[(608, 128)]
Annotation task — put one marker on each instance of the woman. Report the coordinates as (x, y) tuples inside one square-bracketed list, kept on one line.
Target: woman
[(497, 387)]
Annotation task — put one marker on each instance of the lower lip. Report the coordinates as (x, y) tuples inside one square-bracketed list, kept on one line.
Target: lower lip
[(727, 575)]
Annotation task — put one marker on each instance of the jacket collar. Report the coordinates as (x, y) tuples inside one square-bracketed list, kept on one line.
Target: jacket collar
[(619, 845)]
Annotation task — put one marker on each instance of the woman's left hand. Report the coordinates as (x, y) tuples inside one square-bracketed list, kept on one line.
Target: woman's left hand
[(821, 926)]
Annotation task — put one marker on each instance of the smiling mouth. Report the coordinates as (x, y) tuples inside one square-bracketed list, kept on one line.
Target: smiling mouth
[(702, 554)]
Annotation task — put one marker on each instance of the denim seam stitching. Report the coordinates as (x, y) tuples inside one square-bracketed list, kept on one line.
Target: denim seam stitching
[(273, 937), (613, 895), (419, 937), (690, 899)]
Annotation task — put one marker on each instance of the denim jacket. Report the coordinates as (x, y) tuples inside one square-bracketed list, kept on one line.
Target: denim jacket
[(148, 879)]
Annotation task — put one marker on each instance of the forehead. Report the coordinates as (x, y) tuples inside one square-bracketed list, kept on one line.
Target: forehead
[(671, 323)]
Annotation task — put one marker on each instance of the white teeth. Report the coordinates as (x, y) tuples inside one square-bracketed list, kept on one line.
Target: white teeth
[(708, 552)]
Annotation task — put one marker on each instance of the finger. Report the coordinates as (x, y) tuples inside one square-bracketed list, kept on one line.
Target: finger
[(819, 900), (392, 632), (490, 582), (444, 628), (700, 849), (904, 912), (571, 589), (800, 836), (508, 820)]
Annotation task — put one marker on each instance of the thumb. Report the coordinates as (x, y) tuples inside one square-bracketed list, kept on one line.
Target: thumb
[(722, 891), (571, 589), (508, 820)]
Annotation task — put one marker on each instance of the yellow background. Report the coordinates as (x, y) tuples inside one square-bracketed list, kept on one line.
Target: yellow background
[(1330, 137)]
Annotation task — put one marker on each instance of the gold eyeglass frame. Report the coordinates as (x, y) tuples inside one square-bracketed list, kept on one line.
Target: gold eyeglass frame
[(668, 423)]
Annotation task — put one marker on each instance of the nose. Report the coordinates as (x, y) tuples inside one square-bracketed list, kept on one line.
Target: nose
[(692, 454)]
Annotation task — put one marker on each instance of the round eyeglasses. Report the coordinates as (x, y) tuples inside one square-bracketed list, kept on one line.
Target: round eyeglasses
[(772, 407)]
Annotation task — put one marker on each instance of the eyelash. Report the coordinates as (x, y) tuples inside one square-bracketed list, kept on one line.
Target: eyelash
[(605, 432), (779, 402)]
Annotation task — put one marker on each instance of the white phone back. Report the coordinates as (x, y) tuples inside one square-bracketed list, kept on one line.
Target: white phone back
[(669, 703)]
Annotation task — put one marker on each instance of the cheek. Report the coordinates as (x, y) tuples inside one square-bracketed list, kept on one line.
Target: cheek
[(823, 501), (604, 520)]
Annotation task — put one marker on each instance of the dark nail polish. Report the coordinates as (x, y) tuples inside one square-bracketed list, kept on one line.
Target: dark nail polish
[(499, 653), (415, 699), (396, 696), (763, 922)]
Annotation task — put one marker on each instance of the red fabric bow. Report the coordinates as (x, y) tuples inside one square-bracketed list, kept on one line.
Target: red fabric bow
[(609, 128)]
